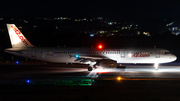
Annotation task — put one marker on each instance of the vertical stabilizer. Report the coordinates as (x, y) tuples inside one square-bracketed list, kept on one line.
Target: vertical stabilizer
[(17, 38)]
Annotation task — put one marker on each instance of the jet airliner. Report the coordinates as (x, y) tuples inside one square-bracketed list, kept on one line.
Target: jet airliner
[(96, 58)]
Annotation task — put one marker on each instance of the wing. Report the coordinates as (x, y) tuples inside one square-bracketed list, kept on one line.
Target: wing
[(84, 59)]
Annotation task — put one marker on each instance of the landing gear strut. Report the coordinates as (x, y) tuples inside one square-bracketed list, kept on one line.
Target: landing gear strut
[(156, 65)]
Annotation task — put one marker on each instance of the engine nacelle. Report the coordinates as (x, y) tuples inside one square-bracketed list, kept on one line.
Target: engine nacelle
[(106, 63)]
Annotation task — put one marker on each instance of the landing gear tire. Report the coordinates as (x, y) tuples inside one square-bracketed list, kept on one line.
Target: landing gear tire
[(90, 68)]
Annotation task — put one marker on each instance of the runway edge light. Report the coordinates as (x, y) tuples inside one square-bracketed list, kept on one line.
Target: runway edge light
[(119, 78), (28, 81)]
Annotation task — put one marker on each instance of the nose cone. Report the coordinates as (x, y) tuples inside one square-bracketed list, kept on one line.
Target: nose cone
[(173, 57)]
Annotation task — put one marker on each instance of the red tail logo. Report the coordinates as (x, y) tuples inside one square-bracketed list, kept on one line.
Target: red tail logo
[(19, 35)]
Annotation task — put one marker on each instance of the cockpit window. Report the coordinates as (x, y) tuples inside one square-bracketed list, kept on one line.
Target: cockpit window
[(167, 52)]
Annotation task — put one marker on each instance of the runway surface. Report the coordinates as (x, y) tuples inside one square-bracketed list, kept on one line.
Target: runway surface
[(49, 72), (64, 82)]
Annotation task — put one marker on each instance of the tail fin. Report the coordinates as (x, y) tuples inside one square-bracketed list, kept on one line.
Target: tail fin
[(17, 38)]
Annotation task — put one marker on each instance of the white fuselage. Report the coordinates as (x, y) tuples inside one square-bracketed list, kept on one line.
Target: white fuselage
[(70, 55), (105, 58)]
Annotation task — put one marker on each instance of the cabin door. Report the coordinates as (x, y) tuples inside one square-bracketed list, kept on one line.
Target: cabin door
[(122, 53), (157, 53)]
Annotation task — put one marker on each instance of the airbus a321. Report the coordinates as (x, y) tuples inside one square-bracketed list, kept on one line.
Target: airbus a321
[(96, 58)]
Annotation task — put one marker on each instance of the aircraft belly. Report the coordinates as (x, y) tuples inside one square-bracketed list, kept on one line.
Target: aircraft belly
[(136, 60)]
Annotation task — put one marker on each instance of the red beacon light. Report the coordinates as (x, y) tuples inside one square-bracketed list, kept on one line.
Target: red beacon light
[(100, 47)]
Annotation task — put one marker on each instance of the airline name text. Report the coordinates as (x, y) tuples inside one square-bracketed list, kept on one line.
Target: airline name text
[(19, 35), (140, 55)]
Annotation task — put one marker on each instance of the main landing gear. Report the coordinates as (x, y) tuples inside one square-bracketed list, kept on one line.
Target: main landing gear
[(92, 65), (90, 68)]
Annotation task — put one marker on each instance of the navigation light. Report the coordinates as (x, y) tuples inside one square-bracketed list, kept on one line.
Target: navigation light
[(77, 56)]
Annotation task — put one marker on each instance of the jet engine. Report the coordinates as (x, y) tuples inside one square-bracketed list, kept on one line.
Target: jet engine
[(101, 64), (106, 63)]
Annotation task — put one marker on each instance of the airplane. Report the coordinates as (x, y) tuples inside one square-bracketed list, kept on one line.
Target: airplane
[(94, 57)]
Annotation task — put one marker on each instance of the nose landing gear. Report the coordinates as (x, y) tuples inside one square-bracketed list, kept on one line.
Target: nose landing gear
[(156, 65)]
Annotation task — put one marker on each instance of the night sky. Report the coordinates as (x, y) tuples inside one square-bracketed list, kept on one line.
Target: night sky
[(127, 9)]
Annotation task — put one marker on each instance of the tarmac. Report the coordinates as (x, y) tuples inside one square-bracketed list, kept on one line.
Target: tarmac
[(47, 81)]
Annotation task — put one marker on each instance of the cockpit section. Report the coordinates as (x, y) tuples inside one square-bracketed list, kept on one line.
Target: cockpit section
[(167, 56)]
